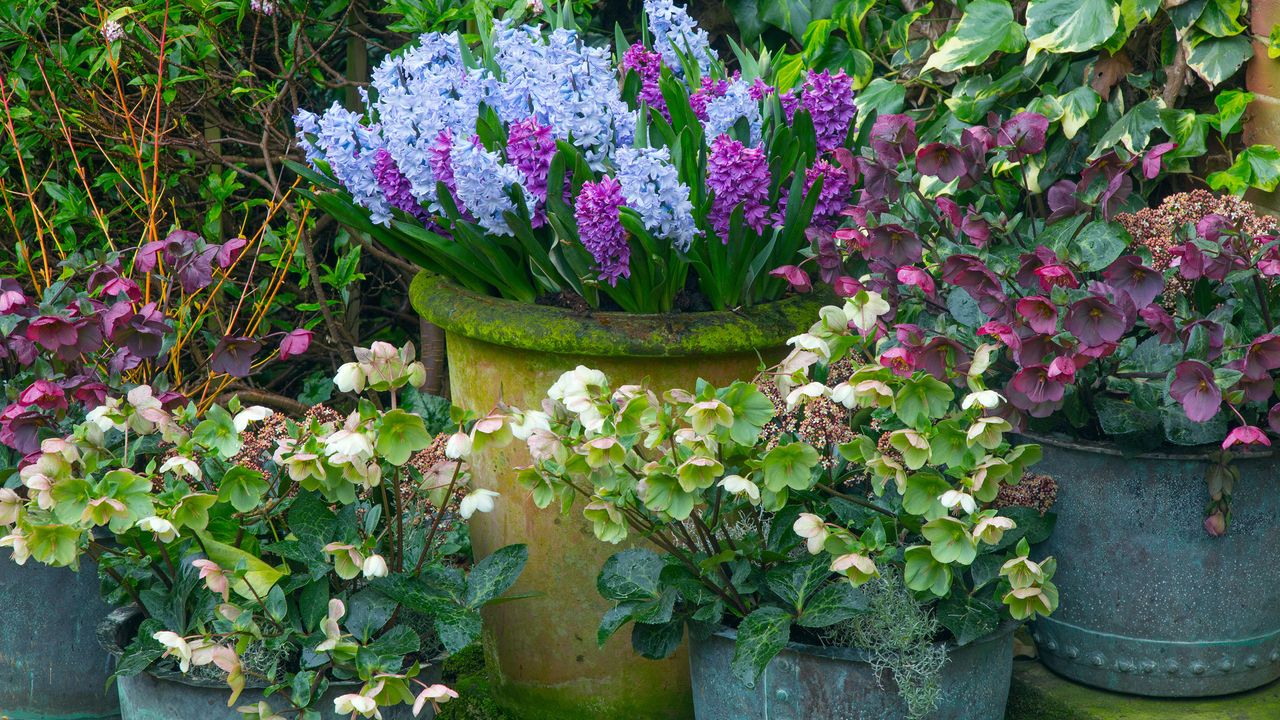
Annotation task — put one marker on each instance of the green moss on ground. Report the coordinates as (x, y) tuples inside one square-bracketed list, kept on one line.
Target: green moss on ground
[(464, 671), (1038, 694)]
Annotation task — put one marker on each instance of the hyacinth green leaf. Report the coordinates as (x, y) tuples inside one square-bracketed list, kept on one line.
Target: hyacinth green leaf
[(1078, 107), (1217, 59), (1069, 26), (987, 27), (761, 636)]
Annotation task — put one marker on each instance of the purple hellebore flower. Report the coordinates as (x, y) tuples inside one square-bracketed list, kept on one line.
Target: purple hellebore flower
[(1153, 160), (939, 354), (1039, 312), (52, 332), (1262, 357), (1212, 226), (894, 244), (1216, 334), (122, 362), (893, 137), (1033, 391), (879, 180), (846, 287), (600, 229), (976, 228), (1024, 133), (949, 209), (20, 428), (11, 296), (1245, 435), (795, 276), (229, 252), (1160, 322), (295, 343), (971, 274), (941, 160), (234, 356), (917, 277), (900, 360), (1056, 275), (1193, 386), (1140, 283), (1118, 190), (1063, 201), (1095, 321), (44, 395), (1273, 418)]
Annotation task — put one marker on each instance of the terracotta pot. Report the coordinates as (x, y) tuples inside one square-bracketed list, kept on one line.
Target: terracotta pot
[(542, 651)]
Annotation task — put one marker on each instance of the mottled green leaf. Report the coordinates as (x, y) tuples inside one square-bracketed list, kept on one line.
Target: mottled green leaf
[(986, 27)]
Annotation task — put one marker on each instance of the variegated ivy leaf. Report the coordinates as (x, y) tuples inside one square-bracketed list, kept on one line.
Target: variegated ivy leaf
[(987, 27), (1078, 107), (1133, 131), (1216, 59), (1069, 26)]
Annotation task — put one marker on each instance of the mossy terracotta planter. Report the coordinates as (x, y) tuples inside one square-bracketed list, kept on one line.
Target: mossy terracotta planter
[(542, 650), (1150, 604), (160, 695), (807, 681), (51, 667)]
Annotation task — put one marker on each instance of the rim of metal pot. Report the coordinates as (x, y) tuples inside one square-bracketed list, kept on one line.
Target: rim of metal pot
[(1203, 453), (610, 334), (119, 626), (853, 654)]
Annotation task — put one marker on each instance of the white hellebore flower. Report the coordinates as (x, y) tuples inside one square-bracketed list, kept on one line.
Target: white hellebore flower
[(739, 485), (332, 632), (458, 447), (182, 467), (954, 498), (434, 694), (813, 530), (532, 421), (865, 308), (18, 541), (10, 504), (352, 703), (989, 399), (805, 393), (813, 344), (990, 530), (251, 414), (374, 566), (164, 530), (176, 646), (350, 378), (478, 501)]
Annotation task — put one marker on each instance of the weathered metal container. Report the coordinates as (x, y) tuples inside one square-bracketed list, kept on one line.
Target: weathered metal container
[(1150, 604), (542, 651), (166, 695), (51, 667), (806, 682)]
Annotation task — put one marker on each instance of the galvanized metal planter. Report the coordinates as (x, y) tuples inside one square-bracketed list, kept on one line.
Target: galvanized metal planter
[(807, 682), (1151, 604), (160, 695), (51, 667), (542, 651)]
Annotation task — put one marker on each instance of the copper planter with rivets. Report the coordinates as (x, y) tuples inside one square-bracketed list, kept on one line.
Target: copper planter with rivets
[(807, 682), (1150, 604), (542, 650)]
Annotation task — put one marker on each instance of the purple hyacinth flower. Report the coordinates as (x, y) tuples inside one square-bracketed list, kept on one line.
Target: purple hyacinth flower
[(834, 195), (738, 175), (600, 228), (648, 65), (395, 186), (829, 100), (530, 147), (1194, 388)]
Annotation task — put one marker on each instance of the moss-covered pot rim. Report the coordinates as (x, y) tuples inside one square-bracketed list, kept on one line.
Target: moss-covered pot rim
[(1203, 453), (857, 655), (527, 326)]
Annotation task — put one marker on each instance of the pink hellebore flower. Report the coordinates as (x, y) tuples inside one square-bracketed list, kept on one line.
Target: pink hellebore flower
[(214, 578), (1193, 386), (1245, 435), (44, 395)]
